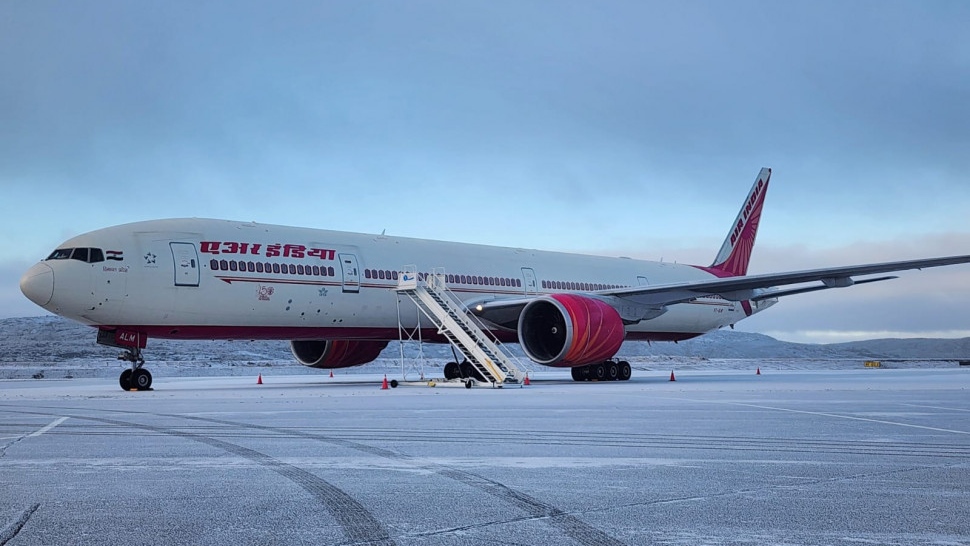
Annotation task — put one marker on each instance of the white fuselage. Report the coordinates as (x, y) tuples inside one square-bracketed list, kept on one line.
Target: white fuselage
[(216, 279)]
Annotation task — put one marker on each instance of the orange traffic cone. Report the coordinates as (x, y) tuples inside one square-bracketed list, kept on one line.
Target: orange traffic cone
[(259, 379), (759, 371), (384, 384), (527, 382), (672, 378), (331, 373)]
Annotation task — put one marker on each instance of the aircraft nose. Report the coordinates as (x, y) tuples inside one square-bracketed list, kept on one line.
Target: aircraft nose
[(38, 284)]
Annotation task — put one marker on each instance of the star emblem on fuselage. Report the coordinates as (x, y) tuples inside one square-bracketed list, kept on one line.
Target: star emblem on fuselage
[(150, 258)]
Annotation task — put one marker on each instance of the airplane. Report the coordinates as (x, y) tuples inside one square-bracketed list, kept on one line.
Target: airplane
[(333, 294)]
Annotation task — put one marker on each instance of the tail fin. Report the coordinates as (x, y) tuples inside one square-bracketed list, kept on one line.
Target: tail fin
[(732, 260)]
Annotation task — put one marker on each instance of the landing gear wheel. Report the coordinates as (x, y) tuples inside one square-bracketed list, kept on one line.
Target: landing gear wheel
[(625, 370), (141, 379), (598, 371), (469, 372), (452, 370), (577, 373), (125, 380), (612, 370)]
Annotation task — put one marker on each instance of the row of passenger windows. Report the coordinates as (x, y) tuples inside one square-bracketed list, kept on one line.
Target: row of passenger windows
[(384, 274), (571, 285), (267, 267), (380, 274), (473, 280), (484, 281), (89, 255)]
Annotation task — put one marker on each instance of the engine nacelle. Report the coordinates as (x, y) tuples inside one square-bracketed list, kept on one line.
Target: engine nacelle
[(335, 353), (567, 330)]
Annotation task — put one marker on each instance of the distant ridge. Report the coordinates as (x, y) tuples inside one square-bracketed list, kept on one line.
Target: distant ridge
[(50, 338)]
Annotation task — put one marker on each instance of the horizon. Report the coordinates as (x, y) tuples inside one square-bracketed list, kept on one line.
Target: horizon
[(889, 336)]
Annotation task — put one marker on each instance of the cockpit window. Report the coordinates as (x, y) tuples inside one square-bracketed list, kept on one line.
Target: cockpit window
[(87, 255)]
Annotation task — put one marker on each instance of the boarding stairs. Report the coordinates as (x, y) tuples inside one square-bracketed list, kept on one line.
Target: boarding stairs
[(449, 314)]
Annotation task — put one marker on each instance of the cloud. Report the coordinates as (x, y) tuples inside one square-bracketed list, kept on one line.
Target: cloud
[(633, 125)]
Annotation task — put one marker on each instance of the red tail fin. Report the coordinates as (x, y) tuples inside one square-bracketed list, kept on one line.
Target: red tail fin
[(732, 260)]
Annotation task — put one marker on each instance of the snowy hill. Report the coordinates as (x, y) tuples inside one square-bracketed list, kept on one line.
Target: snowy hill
[(54, 339)]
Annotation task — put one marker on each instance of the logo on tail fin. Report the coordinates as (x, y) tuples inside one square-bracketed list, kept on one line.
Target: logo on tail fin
[(735, 253)]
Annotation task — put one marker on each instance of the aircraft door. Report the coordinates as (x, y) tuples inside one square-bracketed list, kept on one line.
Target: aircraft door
[(186, 261), (350, 272), (529, 281)]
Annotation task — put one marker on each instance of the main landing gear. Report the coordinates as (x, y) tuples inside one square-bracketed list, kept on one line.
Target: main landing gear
[(135, 377), (465, 370), (609, 370)]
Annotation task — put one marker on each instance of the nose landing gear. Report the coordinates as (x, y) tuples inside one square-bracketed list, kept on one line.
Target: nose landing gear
[(136, 377)]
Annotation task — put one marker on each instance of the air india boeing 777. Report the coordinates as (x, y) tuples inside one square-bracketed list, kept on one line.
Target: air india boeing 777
[(333, 294)]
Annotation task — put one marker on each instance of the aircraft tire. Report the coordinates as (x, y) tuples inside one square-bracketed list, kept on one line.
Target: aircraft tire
[(469, 372), (394, 383), (625, 370), (452, 370), (598, 371), (141, 379), (125, 380), (577, 373), (612, 370)]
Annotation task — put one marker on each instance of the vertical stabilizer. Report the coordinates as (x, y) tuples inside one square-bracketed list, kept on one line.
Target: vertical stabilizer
[(732, 260)]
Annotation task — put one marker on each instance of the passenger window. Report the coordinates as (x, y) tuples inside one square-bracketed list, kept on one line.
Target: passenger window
[(214, 264)]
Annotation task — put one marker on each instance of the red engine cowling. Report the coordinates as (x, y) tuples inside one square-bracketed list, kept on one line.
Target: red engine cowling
[(567, 330), (335, 353)]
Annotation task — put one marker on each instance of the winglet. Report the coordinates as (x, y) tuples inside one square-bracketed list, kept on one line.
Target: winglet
[(735, 253)]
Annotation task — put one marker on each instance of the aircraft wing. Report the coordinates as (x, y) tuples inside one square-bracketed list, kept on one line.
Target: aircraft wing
[(751, 287)]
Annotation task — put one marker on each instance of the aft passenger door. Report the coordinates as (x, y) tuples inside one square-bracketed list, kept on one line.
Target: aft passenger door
[(186, 261), (350, 272)]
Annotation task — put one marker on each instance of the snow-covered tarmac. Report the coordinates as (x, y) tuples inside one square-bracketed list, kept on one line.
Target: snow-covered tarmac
[(717, 457)]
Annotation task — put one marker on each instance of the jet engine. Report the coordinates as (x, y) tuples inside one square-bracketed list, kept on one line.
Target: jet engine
[(567, 330), (335, 353)]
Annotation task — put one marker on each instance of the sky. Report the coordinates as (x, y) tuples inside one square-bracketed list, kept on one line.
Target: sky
[(614, 128)]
